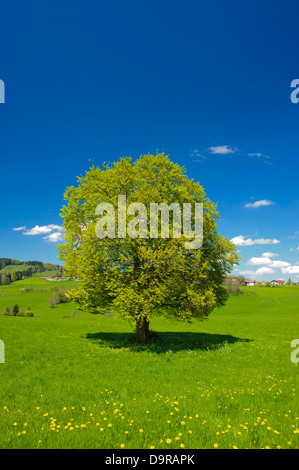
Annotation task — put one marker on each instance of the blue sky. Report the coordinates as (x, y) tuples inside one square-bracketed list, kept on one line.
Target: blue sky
[(207, 82)]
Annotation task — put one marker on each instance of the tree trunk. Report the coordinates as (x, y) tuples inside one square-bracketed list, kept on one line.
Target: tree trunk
[(142, 329)]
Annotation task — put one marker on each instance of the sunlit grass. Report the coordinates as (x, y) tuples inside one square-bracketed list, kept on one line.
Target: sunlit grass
[(82, 381)]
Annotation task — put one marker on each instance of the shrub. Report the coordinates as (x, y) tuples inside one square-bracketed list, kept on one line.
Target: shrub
[(29, 313), (15, 310), (233, 285), (62, 296), (53, 301), (59, 297), (7, 311)]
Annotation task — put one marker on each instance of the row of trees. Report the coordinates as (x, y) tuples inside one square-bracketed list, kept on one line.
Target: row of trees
[(14, 270), (16, 311), (8, 277), (39, 265)]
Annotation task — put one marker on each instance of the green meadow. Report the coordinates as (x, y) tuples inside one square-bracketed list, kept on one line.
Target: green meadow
[(72, 379)]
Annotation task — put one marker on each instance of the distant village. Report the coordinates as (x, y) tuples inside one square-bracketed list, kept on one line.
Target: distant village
[(245, 282), (275, 282)]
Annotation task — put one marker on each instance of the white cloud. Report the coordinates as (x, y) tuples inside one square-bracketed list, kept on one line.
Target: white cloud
[(255, 261), (195, 153), (17, 229), (291, 270), (263, 202), (240, 240), (40, 230), (259, 272), (268, 262), (247, 273), (53, 237), (279, 264), (268, 254), (296, 233), (264, 270), (222, 149), (258, 155), (53, 232)]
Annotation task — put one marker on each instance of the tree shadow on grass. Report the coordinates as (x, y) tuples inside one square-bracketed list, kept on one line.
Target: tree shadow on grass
[(169, 341)]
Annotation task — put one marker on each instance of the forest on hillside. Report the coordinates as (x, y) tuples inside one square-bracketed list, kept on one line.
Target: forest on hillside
[(13, 270)]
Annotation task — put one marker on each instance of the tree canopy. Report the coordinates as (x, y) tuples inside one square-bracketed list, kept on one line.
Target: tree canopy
[(143, 277)]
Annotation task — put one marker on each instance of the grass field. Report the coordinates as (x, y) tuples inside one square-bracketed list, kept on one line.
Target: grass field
[(80, 381)]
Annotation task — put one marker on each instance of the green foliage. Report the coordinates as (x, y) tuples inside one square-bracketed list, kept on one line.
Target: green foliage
[(31, 288), (7, 311), (233, 285), (29, 313), (143, 278), (60, 296), (15, 309), (18, 312)]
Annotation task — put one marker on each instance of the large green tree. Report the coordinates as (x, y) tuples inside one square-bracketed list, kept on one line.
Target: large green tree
[(143, 277)]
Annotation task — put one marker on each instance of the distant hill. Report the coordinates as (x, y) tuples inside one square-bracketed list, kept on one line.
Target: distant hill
[(13, 270)]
